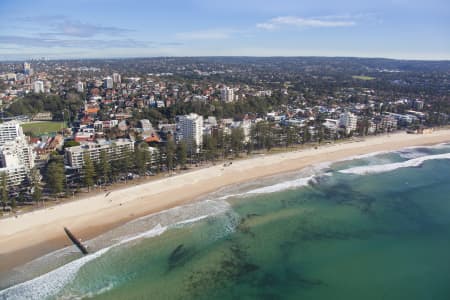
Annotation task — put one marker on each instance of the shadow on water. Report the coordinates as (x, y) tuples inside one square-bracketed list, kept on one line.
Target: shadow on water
[(333, 210), (179, 256), (233, 266), (235, 269), (415, 215), (339, 193), (343, 194), (243, 227)]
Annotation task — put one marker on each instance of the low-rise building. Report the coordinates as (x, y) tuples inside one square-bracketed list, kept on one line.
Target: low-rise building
[(331, 128), (246, 126), (43, 116), (387, 123)]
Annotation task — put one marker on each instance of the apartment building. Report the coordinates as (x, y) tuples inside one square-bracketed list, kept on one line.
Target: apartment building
[(190, 131), (74, 156), (9, 131), (348, 121), (227, 94), (16, 154)]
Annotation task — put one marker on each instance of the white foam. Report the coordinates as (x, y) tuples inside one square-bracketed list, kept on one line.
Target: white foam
[(306, 176), (291, 184), (158, 230), (104, 289), (278, 187), (193, 220), (401, 152), (415, 162), (49, 284), (417, 151), (211, 207), (362, 156), (410, 154), (437, 146)]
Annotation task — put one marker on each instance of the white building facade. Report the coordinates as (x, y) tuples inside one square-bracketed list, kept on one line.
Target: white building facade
[(38, 87), (16, 154), (9, 131), (190, 131), (80, 87), (108, 83), (349, 121), (227, 94), (115, 150), (116, 78)]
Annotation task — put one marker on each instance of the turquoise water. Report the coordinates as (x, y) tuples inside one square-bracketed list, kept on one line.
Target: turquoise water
[(376, 227)]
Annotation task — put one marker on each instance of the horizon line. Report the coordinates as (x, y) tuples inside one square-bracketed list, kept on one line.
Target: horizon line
[(224, 56)]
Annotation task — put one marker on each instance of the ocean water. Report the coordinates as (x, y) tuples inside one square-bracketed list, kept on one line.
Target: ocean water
[(371, 227)]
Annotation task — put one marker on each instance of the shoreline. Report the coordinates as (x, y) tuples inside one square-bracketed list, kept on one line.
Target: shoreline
[(36, 233)]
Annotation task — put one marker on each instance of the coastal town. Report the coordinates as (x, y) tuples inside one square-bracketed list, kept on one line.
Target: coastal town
[(73, 126), (207, 149)]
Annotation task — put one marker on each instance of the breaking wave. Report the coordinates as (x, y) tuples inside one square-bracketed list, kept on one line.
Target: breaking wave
[(287, 185), (415, 162), (307, 176), (51, 283)]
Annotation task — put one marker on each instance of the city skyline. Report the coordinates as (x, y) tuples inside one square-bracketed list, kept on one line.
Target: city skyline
[(108, 29)]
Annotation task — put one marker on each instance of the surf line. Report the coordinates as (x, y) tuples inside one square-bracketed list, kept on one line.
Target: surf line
[(76, 241)]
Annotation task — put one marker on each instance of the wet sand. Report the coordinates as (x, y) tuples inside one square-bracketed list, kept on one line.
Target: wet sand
[(35, 233)]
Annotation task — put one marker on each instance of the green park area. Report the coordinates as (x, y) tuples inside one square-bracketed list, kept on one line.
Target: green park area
[(40, 128)]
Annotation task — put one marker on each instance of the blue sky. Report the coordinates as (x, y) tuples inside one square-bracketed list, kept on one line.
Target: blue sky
[(407, 29)]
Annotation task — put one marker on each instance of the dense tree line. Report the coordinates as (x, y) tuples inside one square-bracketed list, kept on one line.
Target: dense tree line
[(218, 109), (169, 156), (60, 106), (222, 144)]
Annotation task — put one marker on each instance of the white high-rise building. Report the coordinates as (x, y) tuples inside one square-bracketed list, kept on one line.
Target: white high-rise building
[(80, 87), (108, 83), (190, 131), (27, 68), (227, 94), (38, 87), (349, 121), (116, 78), (16, 155), (9, 131)]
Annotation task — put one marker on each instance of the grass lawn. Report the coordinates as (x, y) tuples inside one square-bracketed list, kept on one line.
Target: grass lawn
[(363, 77), (39, 128)]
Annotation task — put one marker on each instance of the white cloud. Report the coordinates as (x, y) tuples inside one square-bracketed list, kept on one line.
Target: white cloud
[(210, 34), (60, 26), (329, 21), (267, 26)]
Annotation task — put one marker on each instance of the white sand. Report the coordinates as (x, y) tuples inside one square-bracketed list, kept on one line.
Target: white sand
[(96, 214)]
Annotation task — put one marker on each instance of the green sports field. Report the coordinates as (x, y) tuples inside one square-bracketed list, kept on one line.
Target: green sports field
[(39, 128)]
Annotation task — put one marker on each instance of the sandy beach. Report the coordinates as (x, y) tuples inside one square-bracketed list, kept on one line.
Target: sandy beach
[(32, 234)]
